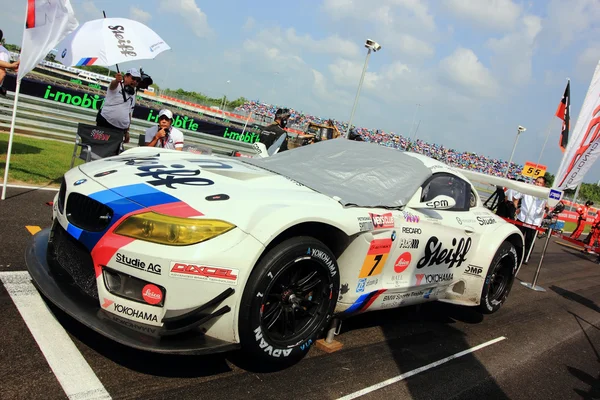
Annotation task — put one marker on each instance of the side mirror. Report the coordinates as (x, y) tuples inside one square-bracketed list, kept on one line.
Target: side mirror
[(437, 203)]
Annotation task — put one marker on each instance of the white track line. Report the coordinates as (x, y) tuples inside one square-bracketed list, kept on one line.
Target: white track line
[(72, 371), (32, 187), (418, 370)]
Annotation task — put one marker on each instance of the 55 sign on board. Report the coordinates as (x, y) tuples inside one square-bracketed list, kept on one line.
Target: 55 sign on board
[(379, 250), (533, 170)]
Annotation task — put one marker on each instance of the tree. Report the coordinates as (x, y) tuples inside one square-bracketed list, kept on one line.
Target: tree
[(549, 179)]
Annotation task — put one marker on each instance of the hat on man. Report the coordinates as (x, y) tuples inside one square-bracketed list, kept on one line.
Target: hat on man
[(134, 72), (166, 113)]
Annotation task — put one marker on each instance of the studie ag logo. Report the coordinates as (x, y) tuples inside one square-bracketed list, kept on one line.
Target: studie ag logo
[(402, 262)]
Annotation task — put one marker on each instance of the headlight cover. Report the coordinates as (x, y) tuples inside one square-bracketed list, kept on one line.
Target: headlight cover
[(171, 231)]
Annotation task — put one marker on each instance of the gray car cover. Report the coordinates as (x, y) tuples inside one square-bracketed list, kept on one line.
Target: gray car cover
[(354, 173)]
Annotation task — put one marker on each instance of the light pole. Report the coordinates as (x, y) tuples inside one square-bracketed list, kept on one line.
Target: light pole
[(371, 45), (519, 130), (223, 101)]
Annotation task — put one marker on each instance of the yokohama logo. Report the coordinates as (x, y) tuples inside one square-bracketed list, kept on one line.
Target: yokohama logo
[(204, 273), (382, 221)]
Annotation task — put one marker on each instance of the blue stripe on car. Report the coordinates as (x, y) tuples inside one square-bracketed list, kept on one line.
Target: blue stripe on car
[(138, 196), (359, 303)]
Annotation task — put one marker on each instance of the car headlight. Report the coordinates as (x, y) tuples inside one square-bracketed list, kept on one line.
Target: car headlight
[(172, 231)]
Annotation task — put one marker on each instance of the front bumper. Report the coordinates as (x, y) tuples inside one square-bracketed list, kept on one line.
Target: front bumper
[(129, 333)]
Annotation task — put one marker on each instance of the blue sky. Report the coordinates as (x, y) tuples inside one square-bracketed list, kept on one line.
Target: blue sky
[(478, 68)]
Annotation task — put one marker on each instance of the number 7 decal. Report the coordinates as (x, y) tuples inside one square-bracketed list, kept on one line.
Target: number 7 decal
[(379, 250)]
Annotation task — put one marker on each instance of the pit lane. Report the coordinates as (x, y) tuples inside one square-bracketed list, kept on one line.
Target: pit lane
[(550, 351)]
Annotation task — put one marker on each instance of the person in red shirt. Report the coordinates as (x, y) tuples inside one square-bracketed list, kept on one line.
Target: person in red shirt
[(583, 212), (594, 235)]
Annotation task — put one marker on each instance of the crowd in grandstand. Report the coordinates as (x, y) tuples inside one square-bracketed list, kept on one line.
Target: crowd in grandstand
[(464, 160)]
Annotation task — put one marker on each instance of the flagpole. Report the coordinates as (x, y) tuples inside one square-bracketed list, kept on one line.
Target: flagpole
[(10, 138), (537, 164)]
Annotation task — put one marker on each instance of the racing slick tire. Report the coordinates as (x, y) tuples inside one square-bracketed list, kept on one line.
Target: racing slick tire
[(499, 279), (288, 301)]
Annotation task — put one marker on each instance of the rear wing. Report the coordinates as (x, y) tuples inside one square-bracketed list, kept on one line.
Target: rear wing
[(553, 196)]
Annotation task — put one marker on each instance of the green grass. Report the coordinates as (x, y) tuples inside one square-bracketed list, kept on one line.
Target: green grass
[(570, 227), (35, 161)]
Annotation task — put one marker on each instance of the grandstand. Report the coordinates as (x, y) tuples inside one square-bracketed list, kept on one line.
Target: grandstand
[(464, 160)]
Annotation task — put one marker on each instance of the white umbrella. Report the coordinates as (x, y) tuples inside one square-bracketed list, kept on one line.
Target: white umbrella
[(109, 41)]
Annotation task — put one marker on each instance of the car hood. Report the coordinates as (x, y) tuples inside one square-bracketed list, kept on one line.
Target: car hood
[(217, 187)]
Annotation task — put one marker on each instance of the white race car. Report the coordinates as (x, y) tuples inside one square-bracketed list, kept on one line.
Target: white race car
[(184, 253)]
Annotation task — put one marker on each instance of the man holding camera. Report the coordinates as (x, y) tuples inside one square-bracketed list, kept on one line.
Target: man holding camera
[(117, 110), (164, 135)]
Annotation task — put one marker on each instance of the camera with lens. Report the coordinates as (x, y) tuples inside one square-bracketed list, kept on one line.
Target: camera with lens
[(145, 82)]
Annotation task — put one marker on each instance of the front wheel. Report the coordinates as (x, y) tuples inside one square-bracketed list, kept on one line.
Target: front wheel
[(288, 301), (499, 279)]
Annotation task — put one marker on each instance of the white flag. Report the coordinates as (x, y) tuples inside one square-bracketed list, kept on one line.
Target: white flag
[(584, 145), (47, 23)]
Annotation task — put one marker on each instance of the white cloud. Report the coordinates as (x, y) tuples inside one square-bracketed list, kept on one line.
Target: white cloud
[(568, 20), (139, 15), (513, 53), (91, 10), (494, 14), (464, 68), (189, 11), (587, 62), (273, 58), (410, 45), (347, 73), (249, 24)]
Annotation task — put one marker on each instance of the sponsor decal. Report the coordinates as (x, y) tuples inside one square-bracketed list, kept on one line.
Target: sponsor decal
[(433, 278), (473, 270), (217, 197), (365, 224), (267, 348), (152, 294), (437, 254), (555, 194), (147, 329), (361, 285), (377, 255), (465, 220), (126, 49), (408, 243), (408, 217), (486, 221), (398, 280), (402, 262), (129, 311), (79, 182), (382, 221), (393, 236), (411, 231), (394, 300), (227, 276), (101, 174), (321, 255), (437, 204), (138, 264)]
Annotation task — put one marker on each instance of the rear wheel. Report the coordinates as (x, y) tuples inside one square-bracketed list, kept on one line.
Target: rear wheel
[(499, 279), (288, 300)]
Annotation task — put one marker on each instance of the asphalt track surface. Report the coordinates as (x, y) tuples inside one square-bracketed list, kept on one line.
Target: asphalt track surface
[(549, 346)]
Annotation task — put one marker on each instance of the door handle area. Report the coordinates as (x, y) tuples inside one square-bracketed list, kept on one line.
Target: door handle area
[(469, 231)]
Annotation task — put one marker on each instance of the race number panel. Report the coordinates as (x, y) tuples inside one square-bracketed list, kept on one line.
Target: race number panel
[(379, 250), (533, 170)]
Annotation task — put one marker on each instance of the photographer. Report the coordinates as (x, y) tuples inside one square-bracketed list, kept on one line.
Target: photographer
[(117, 110), (271, 133), (164, 135)]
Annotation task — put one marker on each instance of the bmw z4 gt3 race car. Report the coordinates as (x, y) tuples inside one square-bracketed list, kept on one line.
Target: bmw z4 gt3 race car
[(183, 253)]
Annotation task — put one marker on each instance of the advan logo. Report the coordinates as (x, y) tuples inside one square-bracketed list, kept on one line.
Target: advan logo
[(384, 221)]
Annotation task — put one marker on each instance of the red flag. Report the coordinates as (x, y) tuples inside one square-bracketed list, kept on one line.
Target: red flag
[(562, 112)]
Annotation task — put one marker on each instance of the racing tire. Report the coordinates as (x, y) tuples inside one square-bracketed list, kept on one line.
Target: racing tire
[(499, 278), (288, 301)]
